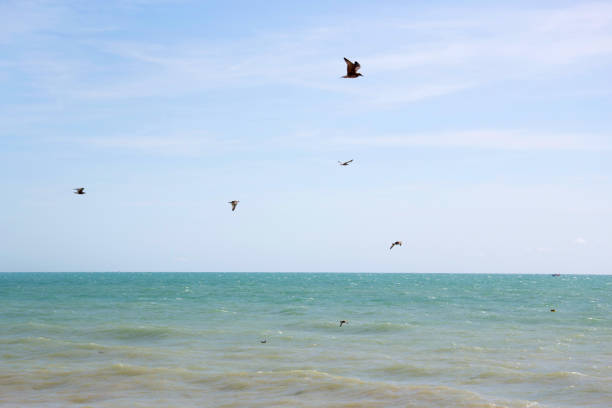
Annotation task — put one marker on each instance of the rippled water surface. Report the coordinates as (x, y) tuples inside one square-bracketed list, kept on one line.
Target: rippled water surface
[(194, 340)]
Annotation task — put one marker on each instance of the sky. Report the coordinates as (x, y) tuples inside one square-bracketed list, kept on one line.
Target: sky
[(481, 135)]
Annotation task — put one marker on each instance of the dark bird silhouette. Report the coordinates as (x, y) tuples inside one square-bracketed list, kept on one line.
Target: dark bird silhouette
[(343, 322), (234, 203), (346, 163), (263, 341), (80, 190), (552, 310), (351, 69), (396, 243)]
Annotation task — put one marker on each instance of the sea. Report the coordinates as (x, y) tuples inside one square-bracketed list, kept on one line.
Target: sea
[(275, 340)]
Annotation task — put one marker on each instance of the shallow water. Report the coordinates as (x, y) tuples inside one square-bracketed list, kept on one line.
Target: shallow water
[(193, 340)]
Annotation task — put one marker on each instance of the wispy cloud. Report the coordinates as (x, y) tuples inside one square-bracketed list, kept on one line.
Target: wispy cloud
[(580, 241), (19, 18), (405, 60), (485, 139), (403, 63), (192, 143), (173, 144)]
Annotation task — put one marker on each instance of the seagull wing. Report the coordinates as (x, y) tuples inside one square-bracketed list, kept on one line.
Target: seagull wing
[(350, 67), (350, 161), (356, 66)]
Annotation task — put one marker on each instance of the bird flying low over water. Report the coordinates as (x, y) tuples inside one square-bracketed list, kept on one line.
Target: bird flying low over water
[(396, 243), (80, 190), (234, 203), (343, 322), (346, 163), (351, 69)]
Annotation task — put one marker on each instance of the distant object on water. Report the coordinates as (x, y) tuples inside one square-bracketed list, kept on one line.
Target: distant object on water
[(264, 341), (552, 310), (351, 69), (343, 322), (395, 243), (346, 163), (556, 274), (80, 190), (234, 203)]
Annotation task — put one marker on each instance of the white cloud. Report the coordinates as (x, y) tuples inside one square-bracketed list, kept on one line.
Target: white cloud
[(402, 63), (182, 144), (192, 142), (580, 241), (485, 139), (18, 18)]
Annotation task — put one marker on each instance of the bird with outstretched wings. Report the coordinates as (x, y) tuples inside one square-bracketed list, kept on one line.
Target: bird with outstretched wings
[(351, 69), (396, 243)]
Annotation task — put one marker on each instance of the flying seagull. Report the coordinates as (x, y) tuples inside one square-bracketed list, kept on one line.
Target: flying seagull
[(234, 203), (346, 163), (264, 341), (351, 69), (396, 243), (343, 322), (80, 190)]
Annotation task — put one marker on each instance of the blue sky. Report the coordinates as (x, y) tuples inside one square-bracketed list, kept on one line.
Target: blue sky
[(481, 135)]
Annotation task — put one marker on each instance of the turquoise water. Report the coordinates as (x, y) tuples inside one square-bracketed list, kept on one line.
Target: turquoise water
[(193, 340)]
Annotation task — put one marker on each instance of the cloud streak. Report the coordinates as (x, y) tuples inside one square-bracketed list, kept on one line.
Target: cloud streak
[(485, 139), (403, 63), (166, 144), (192, 143), (580, 241)]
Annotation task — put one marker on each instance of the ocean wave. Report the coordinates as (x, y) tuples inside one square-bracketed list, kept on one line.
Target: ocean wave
[(313, 385), (35, 327), (509, 376), (562, 374), (68, 348), (284, 387), (28, 340), (293, 311), (124, 369), (457, 347), (117, 332), (142, 332), (407, 370), (365, 328), (383, 327)]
